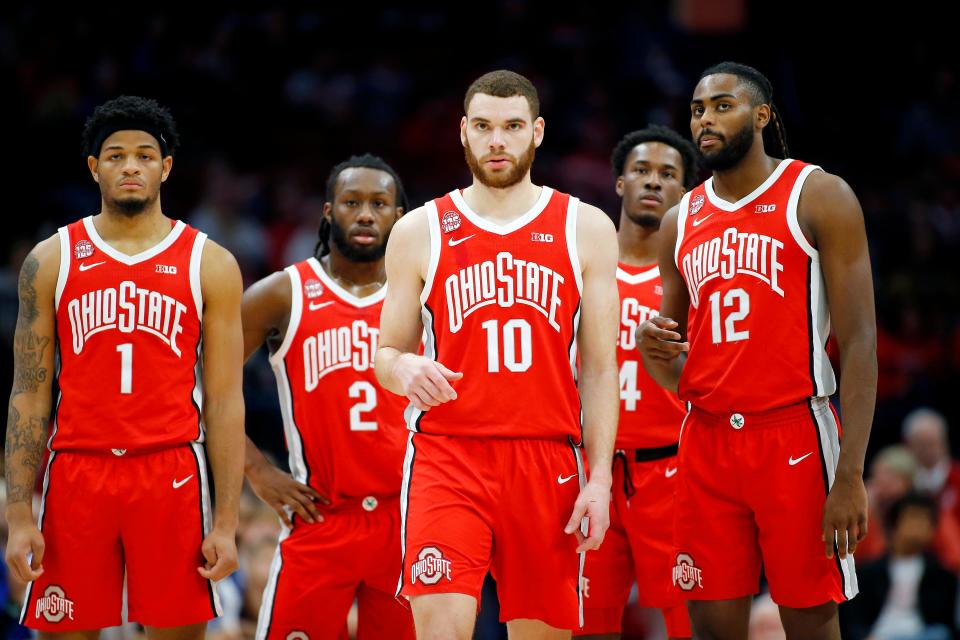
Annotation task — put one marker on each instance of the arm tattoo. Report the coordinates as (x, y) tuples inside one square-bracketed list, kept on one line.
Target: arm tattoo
[(24, 452), (28, 347)]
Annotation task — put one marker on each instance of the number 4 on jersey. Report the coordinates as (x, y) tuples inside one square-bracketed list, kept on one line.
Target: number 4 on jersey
[(629, 393)]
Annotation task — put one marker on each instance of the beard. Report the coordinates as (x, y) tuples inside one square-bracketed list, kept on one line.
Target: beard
[(521, 166), (131, 207), (732, 152), (352, 252)]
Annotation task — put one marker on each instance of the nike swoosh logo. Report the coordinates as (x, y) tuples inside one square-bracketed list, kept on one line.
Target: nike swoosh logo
[(84, 267), (179, 483), (793, 461), (314, 305), (671, 472), (561, 479), (454, 243), (700, 220)]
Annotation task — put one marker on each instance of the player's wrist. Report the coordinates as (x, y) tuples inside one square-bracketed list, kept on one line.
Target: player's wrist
[(19, 513)]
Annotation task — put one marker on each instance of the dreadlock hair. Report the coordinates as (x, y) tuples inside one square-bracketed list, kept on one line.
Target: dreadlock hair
[(669, 137), (761, 92), (365, 161), (130, 112)]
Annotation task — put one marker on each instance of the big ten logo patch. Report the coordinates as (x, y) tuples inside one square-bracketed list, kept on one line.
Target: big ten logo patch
[(83, 249), (430, 567), (541, 237), (686, 574), (450, 221), (54, 605)]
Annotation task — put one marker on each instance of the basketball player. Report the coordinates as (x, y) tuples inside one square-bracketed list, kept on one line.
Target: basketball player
[(653, 169), (509, 279), (142, 314), (320, 319), (756, 263)]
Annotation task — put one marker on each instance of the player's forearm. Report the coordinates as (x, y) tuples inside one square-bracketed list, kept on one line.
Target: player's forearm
[(27, 417), (253, 458), (599, 393), (384, 365), (858, 395), (225, 448), (665, 373)]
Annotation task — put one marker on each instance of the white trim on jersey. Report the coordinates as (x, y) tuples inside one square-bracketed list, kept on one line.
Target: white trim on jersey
[(146, 254), (502, 229), (404, 505), (433, 225), (411, 414), (830, 450), (298, 464), (573, 210), (584, 529), (573, 353), (723, 205), (682, 210), (43, 506), (296, 313), (792, 220), (265, 617), (196, 253), (64, 264), (205, 505), (343, 294), (636, 278)]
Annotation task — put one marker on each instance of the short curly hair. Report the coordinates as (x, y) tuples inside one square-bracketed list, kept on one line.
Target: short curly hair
[(669, 137), (130, 112)]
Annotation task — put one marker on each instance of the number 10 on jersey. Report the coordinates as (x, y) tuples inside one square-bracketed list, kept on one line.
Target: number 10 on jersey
[(517, 345)]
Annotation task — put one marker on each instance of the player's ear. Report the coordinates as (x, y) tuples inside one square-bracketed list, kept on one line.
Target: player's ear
[(463, 130), (167, 166), (763, 115), (92, 164), (327, 211), (620, 186), (538, 127), (400, 212)]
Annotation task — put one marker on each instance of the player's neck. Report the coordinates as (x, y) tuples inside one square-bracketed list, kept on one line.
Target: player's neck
[(502, 205), (638, 244), (358, 278), (741, 180), (124, 231)]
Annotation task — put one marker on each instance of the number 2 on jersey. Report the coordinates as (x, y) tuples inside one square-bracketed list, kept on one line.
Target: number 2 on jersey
[(369, 403)]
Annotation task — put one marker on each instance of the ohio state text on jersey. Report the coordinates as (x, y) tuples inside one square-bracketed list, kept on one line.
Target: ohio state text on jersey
[(650, 415), (758, 322), (344, 432), (128, 342), (501, 303)]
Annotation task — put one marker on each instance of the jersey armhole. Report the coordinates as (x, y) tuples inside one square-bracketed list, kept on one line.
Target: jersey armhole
[(793, 221), (571, 232), (296, 310), (64, 268), (195, 255), (681, 225), (433, 226)]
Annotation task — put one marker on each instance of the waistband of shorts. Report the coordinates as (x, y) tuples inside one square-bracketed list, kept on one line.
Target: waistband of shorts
[(125, 453), (368, 504), (650, 454), (817, 405)]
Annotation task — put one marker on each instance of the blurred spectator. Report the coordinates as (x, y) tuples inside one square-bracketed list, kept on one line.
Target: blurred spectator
[(906, 594), (765, 620), (890, 478)]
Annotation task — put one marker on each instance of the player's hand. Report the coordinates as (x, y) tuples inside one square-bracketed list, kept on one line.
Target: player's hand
[(657, 340), (845, 514), (220, 550), (425, 382), (25, 539), (593, 503), (284, 494)]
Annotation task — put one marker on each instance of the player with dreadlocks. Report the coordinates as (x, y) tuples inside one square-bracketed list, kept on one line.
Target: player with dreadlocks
[(320, 319), (758, 263)]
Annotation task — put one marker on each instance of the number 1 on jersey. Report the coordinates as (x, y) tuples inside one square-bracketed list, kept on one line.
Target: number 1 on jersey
[(126, 367)]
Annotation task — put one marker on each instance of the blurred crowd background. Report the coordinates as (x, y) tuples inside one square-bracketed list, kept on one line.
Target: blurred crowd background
[(268, 101)]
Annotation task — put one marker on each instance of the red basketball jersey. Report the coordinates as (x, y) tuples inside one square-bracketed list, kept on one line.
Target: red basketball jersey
[(758, 319), (128, 342), (650, 416), (344, 432), (501, 303)]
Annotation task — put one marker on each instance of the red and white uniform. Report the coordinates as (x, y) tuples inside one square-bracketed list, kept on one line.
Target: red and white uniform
[(346, 439), (488, 476), (126, 485), (639, 543), (758, 379)]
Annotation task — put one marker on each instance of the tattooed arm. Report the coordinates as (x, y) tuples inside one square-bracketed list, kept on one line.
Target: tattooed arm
[(30, 402)]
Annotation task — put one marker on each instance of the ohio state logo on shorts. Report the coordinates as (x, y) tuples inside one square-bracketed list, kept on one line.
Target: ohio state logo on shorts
[(430, 567), (83, 249), (298, 635), (686, 574), (53, 605), (450, 221)]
